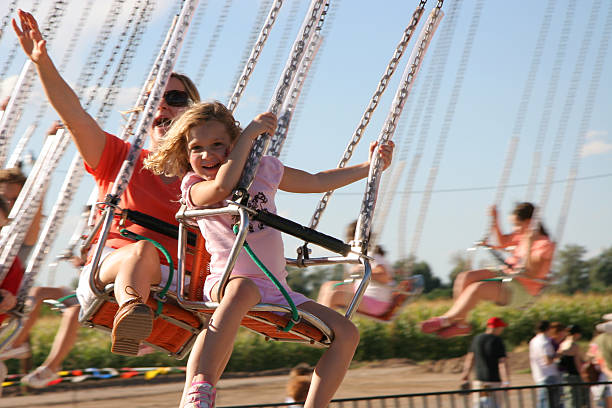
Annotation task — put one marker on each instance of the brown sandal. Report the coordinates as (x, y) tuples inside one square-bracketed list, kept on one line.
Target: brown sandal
[(133, 323)]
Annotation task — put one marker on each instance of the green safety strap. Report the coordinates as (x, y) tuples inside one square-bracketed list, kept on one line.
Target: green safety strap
[(294, 313), (61, 300), (162, 294)]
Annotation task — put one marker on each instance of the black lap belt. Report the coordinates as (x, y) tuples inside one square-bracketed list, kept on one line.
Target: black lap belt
[(157, 225), (304, 233)]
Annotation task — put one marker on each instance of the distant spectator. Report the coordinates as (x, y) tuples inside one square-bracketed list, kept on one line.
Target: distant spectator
[(570, 365), (488, 354), (603, 354), (557, 334), (543, 367), (298, 385)]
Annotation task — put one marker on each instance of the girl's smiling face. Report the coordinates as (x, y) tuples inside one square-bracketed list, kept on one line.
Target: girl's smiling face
[(208, 146)]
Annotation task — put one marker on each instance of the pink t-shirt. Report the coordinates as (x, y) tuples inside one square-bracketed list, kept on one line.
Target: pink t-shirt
[(265, 241), (542, 248)]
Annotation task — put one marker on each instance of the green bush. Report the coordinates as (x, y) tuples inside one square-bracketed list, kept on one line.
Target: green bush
[(400, 338)]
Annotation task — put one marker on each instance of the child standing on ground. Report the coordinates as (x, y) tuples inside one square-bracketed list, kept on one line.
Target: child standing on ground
[(208, 148)]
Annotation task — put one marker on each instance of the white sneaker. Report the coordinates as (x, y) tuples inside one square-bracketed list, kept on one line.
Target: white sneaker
[(21, 351), (39, 378), (3, 374)]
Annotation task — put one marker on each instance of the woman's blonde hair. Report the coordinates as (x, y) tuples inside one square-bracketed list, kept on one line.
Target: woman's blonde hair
[(172, 156)]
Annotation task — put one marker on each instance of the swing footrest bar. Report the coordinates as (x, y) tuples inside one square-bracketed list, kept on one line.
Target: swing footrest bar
[(302, 232)]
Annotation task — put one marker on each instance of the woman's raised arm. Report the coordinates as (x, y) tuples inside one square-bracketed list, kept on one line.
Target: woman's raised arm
[(86, 133)]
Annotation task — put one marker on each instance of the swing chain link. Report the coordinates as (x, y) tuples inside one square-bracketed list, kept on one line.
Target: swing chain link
[(248, 70), (7, 16), (365, 120), (369, 202), (288, 107), (261, 143)]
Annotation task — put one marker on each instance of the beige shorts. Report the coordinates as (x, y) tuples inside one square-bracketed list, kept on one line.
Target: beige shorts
[(519, 297)]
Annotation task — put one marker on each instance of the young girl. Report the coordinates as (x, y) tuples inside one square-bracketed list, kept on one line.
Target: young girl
[(206, 143), (378, 296)]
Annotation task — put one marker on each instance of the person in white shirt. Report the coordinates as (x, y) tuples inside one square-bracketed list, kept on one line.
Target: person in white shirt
[(543, 367)]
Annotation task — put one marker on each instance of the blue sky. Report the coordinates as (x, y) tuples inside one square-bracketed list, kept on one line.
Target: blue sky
[(359, 43)]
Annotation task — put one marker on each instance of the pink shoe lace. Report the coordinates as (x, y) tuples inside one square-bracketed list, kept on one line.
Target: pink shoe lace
[(201, 395)]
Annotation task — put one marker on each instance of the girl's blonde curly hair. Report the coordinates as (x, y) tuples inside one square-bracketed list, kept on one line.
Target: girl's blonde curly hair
[(172, 156)]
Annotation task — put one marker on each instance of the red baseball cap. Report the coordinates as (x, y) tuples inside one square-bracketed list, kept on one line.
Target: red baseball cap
[(496, 322)]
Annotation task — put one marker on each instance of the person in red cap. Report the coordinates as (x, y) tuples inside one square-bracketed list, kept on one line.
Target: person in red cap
[(488, 354)]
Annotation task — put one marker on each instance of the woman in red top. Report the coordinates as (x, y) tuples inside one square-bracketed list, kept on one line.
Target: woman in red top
[(132, 266), (532, 255)]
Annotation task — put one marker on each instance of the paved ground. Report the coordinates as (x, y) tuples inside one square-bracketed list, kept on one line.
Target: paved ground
[(386, 377)]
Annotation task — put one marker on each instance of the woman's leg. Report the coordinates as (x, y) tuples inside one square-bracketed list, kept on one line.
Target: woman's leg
[(464, 279), (332, 366), (64, 338), (335, 294), (211, 351), (135, 265), (38, 294), (474, 294)]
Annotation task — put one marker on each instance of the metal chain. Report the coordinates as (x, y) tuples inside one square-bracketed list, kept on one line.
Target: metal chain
[(427, 91), (422, 117), (521, 113), (42, 109), (212, 44), (286, 112), (325, 33), (261, 143), (7, 17), (446, 126), (133, 42), (365, 119), (243, 79), (76, 169), (584, 124), (21, 93), (279, 54), (568, 105), (95, 55), (110, 60), (366, 214), (260, 17), (551, 97), (185, 57), (125, 173), (10, 56)]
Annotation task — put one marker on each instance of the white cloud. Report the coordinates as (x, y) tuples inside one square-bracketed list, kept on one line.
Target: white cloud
[(597, 143), (596, 147)]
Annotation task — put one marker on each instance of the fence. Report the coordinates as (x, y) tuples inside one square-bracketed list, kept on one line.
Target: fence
[(536, 396)]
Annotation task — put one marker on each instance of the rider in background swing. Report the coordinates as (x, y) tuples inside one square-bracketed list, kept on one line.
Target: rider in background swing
[(528, 274), (378, 296)]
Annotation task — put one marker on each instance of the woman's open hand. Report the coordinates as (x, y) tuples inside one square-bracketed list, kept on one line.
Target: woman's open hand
[(29, 36)]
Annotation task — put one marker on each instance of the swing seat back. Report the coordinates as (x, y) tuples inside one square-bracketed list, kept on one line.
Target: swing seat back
[(404, 291)]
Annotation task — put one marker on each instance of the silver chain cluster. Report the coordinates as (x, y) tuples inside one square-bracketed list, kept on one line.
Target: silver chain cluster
[(584, 124), (260, 145), (212, 44), (7, 17), (288, 109), (551, 97), (365, 119), (366, 214), (446, 125), (76, 170), (254, 56), (174, 45)]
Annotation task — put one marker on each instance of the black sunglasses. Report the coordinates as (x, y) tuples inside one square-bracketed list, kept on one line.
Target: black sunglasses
[(177, 98)]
